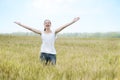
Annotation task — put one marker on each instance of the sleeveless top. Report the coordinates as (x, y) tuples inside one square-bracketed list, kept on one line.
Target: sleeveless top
[(48, 40)]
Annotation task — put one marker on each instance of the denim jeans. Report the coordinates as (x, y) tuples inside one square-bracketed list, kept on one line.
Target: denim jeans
[(48, 58)]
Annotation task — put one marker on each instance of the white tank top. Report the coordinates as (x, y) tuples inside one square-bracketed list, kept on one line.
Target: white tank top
[(48, 40)]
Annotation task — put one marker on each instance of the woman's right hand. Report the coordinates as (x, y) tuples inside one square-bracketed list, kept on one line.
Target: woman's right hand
[(17, 23)]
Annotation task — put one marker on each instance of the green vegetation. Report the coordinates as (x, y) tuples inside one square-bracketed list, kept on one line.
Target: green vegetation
[(81, 35), (77, 59)]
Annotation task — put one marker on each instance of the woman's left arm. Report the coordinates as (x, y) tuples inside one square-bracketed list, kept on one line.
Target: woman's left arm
[(66, 25)]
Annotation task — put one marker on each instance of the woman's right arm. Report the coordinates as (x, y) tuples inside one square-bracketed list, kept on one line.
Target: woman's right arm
[(29, 28)]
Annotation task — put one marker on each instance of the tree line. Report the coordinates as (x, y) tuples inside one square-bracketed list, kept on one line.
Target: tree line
[(81, 35)]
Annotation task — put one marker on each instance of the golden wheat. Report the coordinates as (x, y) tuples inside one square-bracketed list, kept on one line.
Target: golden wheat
[(77, 59)]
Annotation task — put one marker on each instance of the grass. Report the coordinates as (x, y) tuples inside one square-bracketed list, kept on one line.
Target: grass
[(77, 59)]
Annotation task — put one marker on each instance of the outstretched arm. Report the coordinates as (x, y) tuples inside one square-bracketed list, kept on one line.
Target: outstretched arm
[(66, 25), (29, 28)]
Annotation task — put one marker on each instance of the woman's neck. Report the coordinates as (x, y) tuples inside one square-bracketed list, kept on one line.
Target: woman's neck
[(48, 31)]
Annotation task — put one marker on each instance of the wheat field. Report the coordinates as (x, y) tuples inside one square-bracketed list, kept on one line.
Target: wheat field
[(77, 59)]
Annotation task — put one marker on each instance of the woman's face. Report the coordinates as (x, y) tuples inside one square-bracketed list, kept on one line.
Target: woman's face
[(47, 23)]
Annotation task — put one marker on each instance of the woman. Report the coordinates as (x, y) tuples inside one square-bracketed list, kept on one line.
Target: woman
[(48, 52)]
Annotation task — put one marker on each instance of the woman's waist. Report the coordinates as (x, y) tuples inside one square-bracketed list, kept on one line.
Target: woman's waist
[(43, 52)]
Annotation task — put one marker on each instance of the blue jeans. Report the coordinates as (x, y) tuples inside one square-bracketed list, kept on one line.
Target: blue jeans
[(48, 58)]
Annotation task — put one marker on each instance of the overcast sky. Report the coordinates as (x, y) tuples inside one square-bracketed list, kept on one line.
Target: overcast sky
[(95, 15)]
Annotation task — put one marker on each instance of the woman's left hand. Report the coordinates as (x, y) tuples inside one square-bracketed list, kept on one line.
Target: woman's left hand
[(76, 19)]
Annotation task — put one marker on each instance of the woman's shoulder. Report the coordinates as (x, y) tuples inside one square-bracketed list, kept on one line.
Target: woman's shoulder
[(53, 31), (42, 31)]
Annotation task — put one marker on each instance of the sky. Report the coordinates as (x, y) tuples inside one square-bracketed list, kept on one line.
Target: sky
[(95, 15)]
